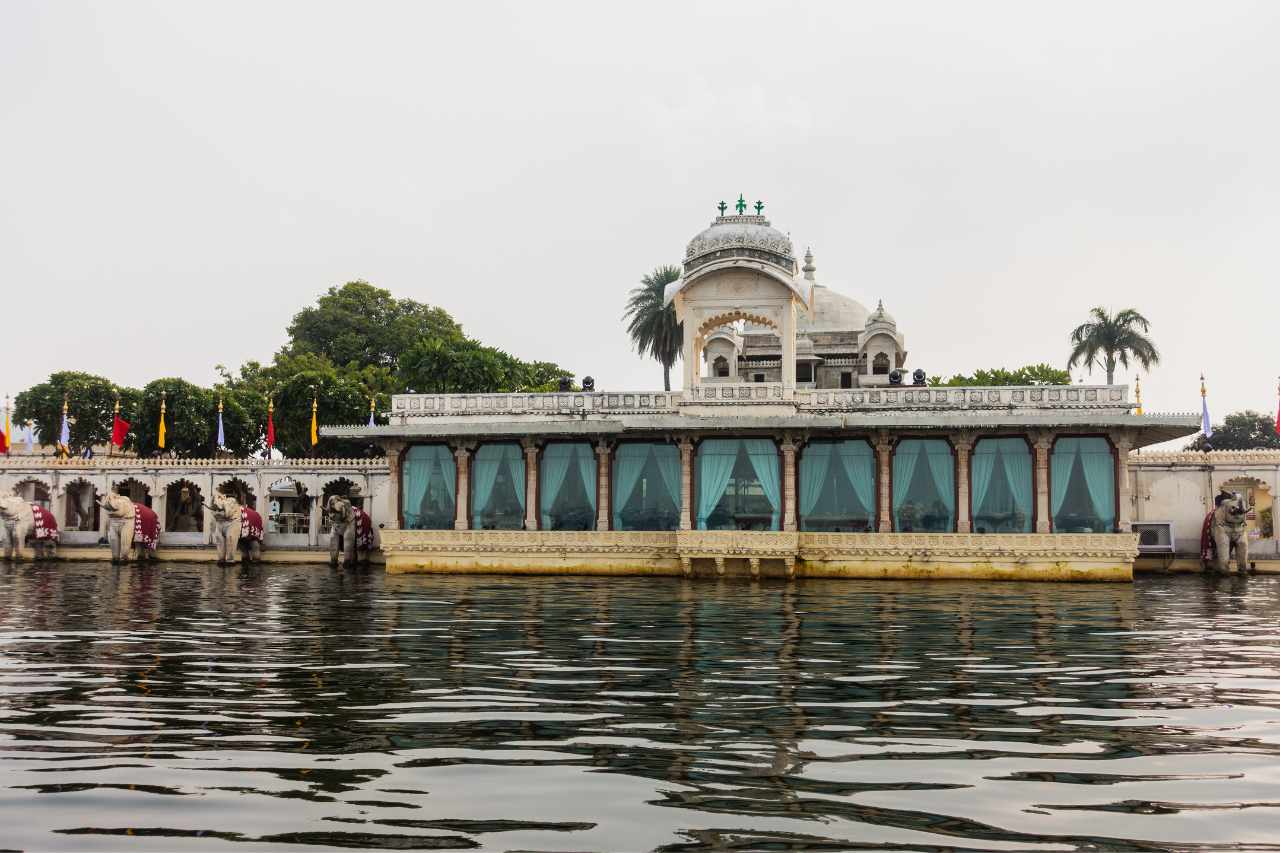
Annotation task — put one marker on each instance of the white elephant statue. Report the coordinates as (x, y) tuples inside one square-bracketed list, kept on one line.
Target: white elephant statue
[(235, 528), (131, 527), (20, 519), (1225, 530), (351, 539)]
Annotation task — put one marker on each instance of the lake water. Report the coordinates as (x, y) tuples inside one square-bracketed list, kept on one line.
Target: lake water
[(301, 708)]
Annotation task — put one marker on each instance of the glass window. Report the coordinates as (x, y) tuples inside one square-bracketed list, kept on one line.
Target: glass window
[(646, 486), (428, 487), (1001, 493), (924, 486), (497, 487), (739, 484), (567, 486), (1082, 483), (837, 487)]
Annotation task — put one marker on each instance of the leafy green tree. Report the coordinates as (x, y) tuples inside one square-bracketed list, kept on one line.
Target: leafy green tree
[(340, 400), (1032, 374), (1247, 430), (467, 366), (652, 324), (90, 405), (1107, 341), (360, 324), (190, 419)]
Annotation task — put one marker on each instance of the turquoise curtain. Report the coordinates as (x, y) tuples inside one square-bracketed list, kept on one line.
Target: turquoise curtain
[(1017, 476), (763, 455), (860, 467), (905, 456), (587, 469), (1100, 479), (629, 461), (514, 458), (942, 468), (553, 468), (489, 460), (667, 458), (716, 458), (415, 477), (815, 467), (1065, 451), (982, 465)]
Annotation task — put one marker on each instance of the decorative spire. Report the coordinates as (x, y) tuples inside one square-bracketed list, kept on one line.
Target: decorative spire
[(722, 207), (759, 208), (741, 204), (808, 269), (1202, 391), (1137, 393)]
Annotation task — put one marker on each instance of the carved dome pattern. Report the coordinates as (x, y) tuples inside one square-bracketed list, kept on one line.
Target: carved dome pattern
[(740, 236)]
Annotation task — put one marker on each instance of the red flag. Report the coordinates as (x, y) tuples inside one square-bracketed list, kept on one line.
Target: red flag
[(119, 431), (271, 431)]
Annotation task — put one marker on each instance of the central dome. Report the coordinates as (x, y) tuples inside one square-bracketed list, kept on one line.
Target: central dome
[(740, 237), (832, 312)]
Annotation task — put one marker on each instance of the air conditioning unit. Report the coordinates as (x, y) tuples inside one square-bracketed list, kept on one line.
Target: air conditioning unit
[(1154, 537)]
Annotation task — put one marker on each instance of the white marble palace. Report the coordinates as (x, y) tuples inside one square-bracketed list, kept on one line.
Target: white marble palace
[(800, 444)]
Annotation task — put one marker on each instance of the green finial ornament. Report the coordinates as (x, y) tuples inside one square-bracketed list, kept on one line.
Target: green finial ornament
[(759, 208), (723, 207), (741, 205)]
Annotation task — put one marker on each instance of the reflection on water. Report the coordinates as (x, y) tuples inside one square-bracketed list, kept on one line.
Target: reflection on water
[(195, 708)]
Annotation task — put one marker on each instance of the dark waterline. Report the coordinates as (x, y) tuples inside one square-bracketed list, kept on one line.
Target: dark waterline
[(301, 708)]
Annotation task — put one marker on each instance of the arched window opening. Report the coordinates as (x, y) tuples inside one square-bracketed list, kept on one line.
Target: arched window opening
[(838, 487), (1002, 487), (35, 492), (288, 508), (567, 486), (646, 486), (720, 366), (498, 487), (241, 491), (429, 485), (134, 491), (184, 509), (880, 364), (739, 484), (82, 512), (344, 488), (1082, 481), (924, 482)]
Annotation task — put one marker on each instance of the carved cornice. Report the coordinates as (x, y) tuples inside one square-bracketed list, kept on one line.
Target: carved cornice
[(1213, 457)]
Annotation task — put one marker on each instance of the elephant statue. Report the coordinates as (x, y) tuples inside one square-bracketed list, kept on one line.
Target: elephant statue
[(352, 536), (20, 519), (130, 527), (236, 528), (1223, 531)]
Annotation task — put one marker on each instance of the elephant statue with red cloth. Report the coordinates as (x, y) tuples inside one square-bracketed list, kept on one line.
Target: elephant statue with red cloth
[(1225, 531), (236, 528), (20, 520), (351, 540), (131, 527)]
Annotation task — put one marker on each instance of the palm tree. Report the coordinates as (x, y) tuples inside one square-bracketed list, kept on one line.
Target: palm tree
[(652, 324), (1108, 340)]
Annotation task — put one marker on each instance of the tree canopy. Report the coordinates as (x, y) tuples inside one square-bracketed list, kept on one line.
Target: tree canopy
[(1109, 341), (1032, 374), (652, 323), (90, 405), (1247, 430)]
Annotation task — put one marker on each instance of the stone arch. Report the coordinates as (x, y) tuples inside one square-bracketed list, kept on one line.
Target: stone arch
[(80, 509), (239, 489), (183, 512), (340, 485), (726, 317), (880, 365), (132, 488), (36, 490)]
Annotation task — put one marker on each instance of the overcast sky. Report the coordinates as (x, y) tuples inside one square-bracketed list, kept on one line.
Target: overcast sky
[(178, 179)]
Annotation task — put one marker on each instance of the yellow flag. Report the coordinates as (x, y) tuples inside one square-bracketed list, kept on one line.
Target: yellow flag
[(160, 442), (8, 437), (315, 434)]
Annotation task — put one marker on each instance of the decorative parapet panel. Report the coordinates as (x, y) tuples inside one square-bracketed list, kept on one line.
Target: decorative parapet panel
[(737, 543), (737, 393), (405, 406), (911, 397), (1196, 459)]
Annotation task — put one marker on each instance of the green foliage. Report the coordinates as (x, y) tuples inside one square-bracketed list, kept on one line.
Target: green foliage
[(90, 408), (1247, 430), (466, 366), (364, 325), (1266, 523), (1107, 341), (651, 324), (1032, 374)]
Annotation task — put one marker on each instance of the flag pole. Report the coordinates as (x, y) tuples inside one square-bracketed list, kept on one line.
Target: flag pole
[(115, 416), (1137, 392), (8, 440)]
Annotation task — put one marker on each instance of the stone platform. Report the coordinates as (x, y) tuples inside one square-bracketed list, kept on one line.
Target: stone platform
[(1026, 557)]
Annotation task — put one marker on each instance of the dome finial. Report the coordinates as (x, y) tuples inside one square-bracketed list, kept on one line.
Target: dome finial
[(808, 269), (741, 204), (722, 207)]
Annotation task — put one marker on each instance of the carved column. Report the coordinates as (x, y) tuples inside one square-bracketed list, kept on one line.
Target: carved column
[(530, 483), (788, 484), (686, 484), (603, 454), (690, 354), (884, 471), (393, 449), (1124, 493), (461, 512), (787, 331), (963, 443), (1042, 441)]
